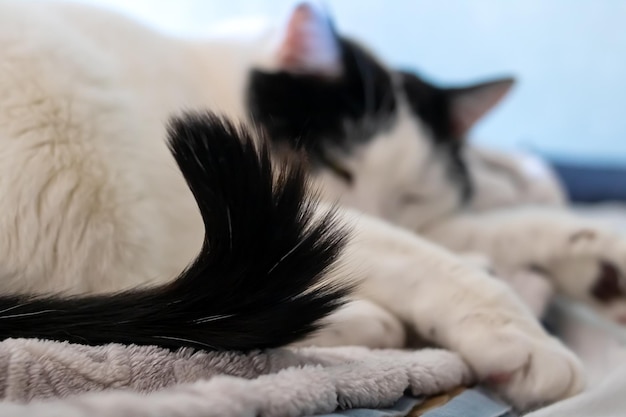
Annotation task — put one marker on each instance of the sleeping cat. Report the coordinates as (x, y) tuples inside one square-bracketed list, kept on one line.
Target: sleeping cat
[(391, 145), (93, 201)]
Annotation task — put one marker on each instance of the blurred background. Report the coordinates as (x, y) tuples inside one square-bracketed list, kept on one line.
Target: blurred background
[(569, 57)]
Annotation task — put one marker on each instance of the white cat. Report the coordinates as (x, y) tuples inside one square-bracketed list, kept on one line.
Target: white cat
[(92, 200)]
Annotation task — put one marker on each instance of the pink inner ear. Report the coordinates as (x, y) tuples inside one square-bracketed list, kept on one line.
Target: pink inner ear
[(469, 106), (310, 45)]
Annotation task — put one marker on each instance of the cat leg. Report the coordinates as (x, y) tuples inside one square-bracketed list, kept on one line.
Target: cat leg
[(531, 285), (478, 260), (582, 258), (359, 323), (459, 307)]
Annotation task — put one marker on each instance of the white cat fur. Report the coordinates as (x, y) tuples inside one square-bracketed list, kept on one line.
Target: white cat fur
[(92, 201)]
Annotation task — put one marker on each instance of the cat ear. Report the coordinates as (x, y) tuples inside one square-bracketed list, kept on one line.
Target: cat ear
[(469, 104), (310, 45)]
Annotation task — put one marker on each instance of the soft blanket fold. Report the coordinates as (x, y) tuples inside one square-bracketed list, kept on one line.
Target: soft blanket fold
[(148, 381)]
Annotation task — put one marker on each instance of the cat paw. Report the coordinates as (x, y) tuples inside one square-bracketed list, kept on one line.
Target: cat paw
[(590, 265), (519, 360)]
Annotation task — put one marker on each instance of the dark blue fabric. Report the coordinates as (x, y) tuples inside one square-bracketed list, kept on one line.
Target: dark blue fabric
[(587, 183), (470, 403)]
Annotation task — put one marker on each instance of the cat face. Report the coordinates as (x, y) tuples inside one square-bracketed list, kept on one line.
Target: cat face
[(382, 140)]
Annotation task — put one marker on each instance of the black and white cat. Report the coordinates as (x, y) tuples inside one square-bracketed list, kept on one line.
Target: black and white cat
[(391, 145), (93, 202)]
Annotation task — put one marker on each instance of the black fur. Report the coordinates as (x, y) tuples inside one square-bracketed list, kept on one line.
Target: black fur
[(310, 112), (433, 106), (250, 286)]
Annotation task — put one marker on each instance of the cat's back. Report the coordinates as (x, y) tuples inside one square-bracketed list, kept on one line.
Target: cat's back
[(83, 40), (68, 26), (88, 187)]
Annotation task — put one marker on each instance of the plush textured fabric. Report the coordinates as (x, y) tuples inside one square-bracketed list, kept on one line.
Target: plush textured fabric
[(148, 381), (459, 403)]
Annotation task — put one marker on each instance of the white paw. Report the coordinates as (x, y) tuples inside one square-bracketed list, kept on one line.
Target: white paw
[(590, 265), (521, 361)]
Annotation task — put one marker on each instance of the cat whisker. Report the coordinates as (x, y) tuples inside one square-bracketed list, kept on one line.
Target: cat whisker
[(212, 318), (230, 229), (34, 313), (285, 256), (181, 339), (11, 308)]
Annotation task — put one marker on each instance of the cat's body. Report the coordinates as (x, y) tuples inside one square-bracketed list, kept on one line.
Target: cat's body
[(92, 200), (65, 73)]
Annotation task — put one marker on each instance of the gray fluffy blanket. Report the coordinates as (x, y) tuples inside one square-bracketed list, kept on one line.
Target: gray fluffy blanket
[(40, 378)]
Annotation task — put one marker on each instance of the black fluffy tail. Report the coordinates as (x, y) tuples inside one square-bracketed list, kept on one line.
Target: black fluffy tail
[(258, 281)]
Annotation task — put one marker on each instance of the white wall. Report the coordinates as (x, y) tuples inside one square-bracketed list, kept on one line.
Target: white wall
[(570, 56)]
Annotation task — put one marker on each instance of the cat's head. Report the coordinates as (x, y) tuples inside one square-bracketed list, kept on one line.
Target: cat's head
[(381, 139)]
